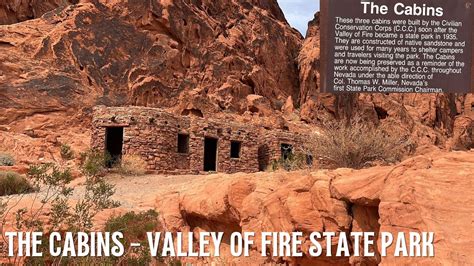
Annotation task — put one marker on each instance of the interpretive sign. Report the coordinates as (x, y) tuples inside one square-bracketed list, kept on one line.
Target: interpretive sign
[(390, 46)]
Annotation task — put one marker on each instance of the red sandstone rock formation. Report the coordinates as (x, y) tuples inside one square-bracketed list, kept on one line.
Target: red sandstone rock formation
[(430, 193), (165, 54), (315, 104), (203, 57), (21, 10)]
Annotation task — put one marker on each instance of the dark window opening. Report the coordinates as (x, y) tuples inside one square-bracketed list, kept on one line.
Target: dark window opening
[(210, 154), (263, 157), (235, 147), (286, 151), (381, 113), (309, 159), (114, 145), (183, 143), (472, 107)]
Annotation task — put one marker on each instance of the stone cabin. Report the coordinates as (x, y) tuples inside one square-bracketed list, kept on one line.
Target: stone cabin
[(173, 144)]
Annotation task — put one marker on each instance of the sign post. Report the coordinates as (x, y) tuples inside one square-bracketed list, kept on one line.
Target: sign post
[(403, 46)]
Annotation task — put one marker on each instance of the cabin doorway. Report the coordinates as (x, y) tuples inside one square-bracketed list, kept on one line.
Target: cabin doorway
[(210, 154), (286, 151), (114, 145)]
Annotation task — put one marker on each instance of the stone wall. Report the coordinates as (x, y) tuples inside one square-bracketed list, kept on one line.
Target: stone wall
[(271, 146), (469, 105), (153, 135), (225, 133)]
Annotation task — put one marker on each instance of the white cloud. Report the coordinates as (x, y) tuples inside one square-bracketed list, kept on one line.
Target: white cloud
[(299, 12)]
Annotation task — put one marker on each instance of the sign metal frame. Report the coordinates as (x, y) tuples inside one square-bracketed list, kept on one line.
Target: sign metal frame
[(325, 16)]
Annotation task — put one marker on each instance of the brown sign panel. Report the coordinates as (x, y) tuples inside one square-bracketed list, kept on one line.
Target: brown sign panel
[(404, 46)]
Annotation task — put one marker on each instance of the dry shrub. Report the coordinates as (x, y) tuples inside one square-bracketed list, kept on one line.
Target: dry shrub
[(132, 165), (295, 162), (358, 144), (66, 152), (6, 160), (12, 183)]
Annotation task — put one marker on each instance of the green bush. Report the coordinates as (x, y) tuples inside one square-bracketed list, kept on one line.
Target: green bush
[(134, 227), (6, 160), (13, 183), (64, 212), (66, 152), (56, 202), (94, 163)]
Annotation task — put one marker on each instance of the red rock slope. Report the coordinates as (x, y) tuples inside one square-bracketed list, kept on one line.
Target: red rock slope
[(210, 54), (204, 55)]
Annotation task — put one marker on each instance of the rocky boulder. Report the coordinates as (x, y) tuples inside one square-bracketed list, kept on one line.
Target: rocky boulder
[(424, 194), (430, 193)]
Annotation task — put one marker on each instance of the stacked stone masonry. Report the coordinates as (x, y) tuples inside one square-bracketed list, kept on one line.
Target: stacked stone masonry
[(152, 134)]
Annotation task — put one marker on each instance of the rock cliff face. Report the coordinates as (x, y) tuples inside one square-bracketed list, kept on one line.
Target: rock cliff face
[(21, 10), (412, 196), (182, 55), (203, 54), (314, 103)]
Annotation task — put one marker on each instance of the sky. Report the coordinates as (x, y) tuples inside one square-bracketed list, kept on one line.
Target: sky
[(299, 12)]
